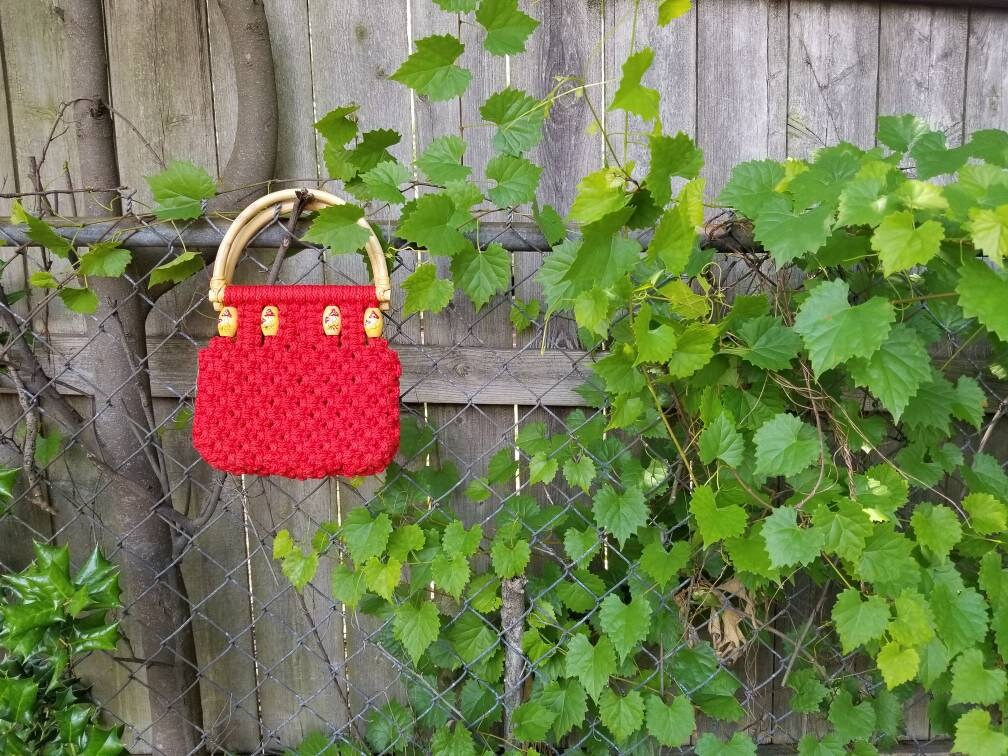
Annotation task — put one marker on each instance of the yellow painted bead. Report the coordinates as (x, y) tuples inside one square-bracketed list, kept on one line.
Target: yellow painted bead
[(373, 322), (227, 322), (331, 323), (270, 320)]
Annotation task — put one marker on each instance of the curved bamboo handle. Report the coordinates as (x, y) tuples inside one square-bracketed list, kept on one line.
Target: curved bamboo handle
[(260, 214)]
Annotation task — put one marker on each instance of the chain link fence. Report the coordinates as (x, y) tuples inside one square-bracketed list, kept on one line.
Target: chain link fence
[(271, 664)]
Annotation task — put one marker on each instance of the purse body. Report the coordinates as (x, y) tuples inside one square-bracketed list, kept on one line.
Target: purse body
[(300, 404)]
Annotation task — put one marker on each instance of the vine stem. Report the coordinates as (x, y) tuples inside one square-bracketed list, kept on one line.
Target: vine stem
[(668, 428)]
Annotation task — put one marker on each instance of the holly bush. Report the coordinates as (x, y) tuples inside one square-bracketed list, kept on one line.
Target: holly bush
[(48, 618), (810, 429)]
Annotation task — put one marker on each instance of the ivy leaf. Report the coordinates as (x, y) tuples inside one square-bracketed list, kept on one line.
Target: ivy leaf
[(599, 194), (786, 542), (532, 721), (591, 665), (788, 235), (897, 664), (669, 10), (416, 625), (896, 371), (383, 181), (516, 177), (519, 119), (771, 344), (716, 523), (989, 231), (432, 222), (622, 514), (720, 440), (974, 735), (632, 96), (902, 244), (982, 295), (425, 291), (365, 537), (105, 259), (83, 301), (785, 446), (441, 162), (481, 274), (509, 560), (670, 724), (626, 625), (177, 270), (738, 744), (751, 187), (834, 331), (507, 30), (431, 69), (661, 565), (622, 715), (338, 228), (974, 683), (858, 622), (40, 232), (180, 190)]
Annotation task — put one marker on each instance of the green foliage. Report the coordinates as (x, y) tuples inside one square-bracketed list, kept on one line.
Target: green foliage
[(51, 617), (180, 190)]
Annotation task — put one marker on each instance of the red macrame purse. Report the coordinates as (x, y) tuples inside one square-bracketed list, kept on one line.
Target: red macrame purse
[(299, 382)]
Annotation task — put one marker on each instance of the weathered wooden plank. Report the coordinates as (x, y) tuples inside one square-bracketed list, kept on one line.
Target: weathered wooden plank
[(832, 74), (922, 65), (739, 105), (987, 81)]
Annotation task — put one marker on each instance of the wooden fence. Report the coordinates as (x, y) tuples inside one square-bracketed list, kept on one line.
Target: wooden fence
[(746, 78)]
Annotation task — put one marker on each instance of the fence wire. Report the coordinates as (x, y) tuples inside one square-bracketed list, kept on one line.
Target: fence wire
[(273, 664)]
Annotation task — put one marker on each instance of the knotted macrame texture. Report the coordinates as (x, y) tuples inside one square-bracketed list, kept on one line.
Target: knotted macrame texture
[(300, 404)]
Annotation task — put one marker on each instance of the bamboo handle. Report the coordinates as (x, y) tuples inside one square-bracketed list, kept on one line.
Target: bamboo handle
[(260, 214)]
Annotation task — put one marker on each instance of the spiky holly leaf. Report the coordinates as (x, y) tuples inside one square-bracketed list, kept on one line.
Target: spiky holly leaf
[(338, 228), (482, 274), (105, 259), (416, 625), (834, 331), (507, 28), (516, 180), (902, 243), (982, 295), (431, 69), (632, 96), (180, 190), (519, 119)]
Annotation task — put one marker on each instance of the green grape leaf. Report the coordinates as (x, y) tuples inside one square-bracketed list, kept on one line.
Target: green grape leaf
[(785, 446), (988, 514), (604, 256), (532, 720), (671, 156), (509, 559), (720, 440), (913, 624), (970, 401), (581, 545), (631, 95), (338, 228), (482, 274), (40, 232), (383, 181), (669, 10), (863, 202), (653, 344), (900, 133), (180, 190), (622, 715), (7, 478), (787, 543), (580, 472), (896, 371), (599, 194), (936, 528), (568, 701), (934, 158), (670, 724), (771, 344), (524, 312), (177, 270), (454, 742), (542, 469), (851, 722), (982, 295), (974, 735), (550, 222), (661, 565), (451, 573), (788, 235), (516, 177), (425, 291), (972, 682), (739, 744), (339, 125), (42, 279), (626, 625), (960, 616), (519, 119), (507, 29), (433, 222), (989, 230), (590, 665), (105, 259), (716, 523), (364, 536), (622, 514), (383, 577), (694, 349), (834, 331), (902, 244), (675, 238), (897, 664), (406, 540), (751, 187), (416, 625), (83, 301), (457, 540), (858, 622), (431, 69), (372, 149), (458, 6), (441, 161), (807, 691)]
